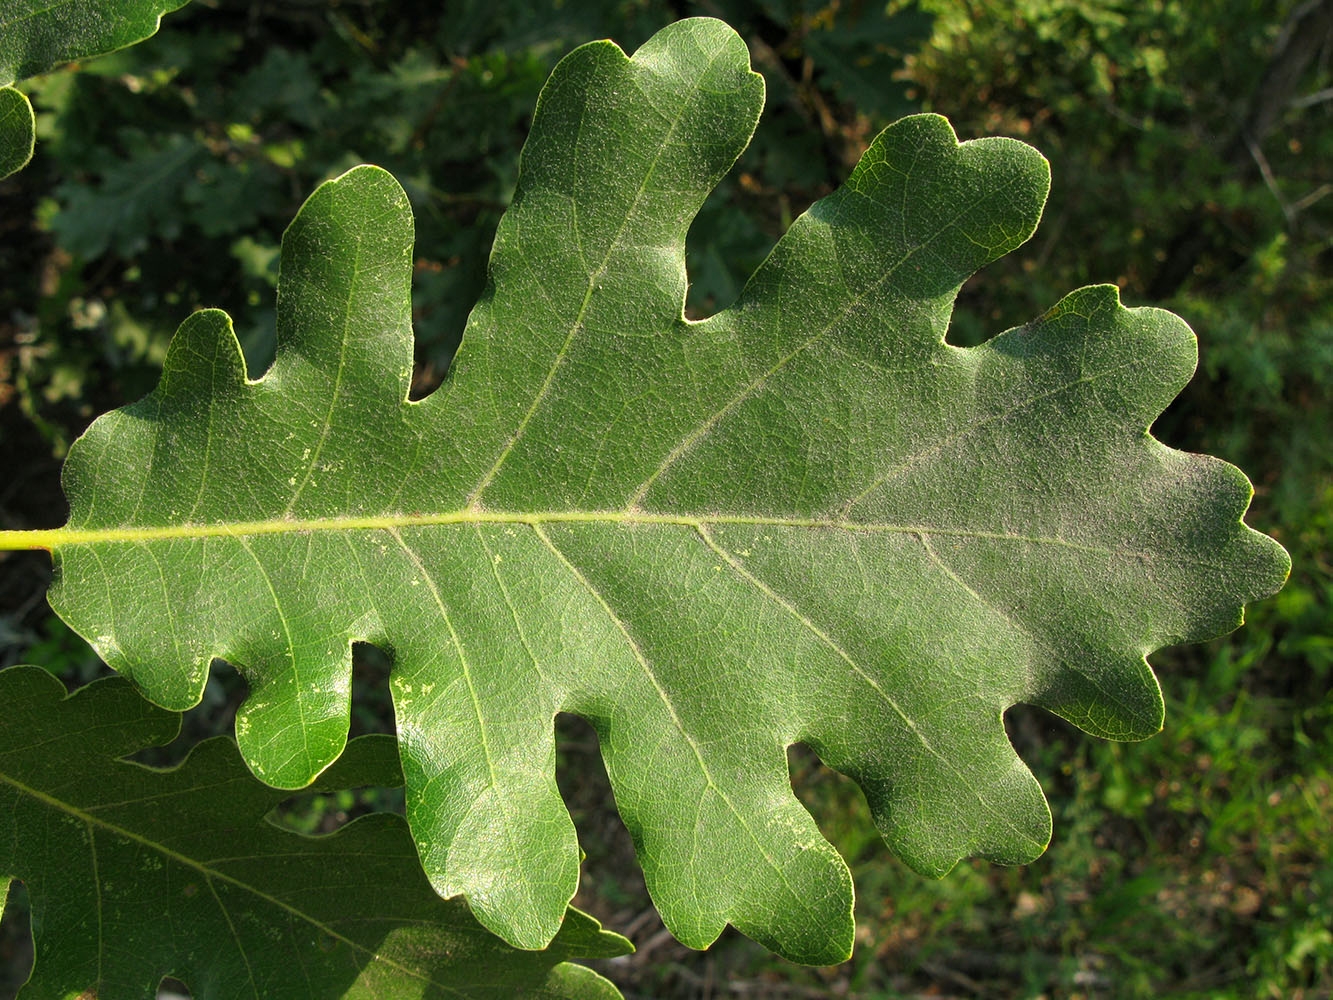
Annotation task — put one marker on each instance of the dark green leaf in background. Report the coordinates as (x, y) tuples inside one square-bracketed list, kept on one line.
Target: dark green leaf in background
[(135, 873), (806, 518), (135, 198)]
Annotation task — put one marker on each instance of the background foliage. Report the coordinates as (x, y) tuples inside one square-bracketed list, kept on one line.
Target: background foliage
[(1189, 146)]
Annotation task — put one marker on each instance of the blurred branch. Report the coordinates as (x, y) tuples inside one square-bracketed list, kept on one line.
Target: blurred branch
[(1306, 32), (1317, 194), (1311, 99), (1266, 171)]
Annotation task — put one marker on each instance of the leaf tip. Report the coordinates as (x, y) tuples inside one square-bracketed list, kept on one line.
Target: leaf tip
[(710, 49), (1005, 181), (364, 191)]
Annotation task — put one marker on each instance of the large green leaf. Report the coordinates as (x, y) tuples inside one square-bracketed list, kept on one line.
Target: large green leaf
[(806, 518), (135, 873)]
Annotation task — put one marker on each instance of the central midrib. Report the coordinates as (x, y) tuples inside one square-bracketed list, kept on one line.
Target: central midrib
[(67, 537)]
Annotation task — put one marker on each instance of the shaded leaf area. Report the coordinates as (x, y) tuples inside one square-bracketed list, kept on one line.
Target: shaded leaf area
[(806, 518), (134, 873), (36, 35), (17, 131)]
